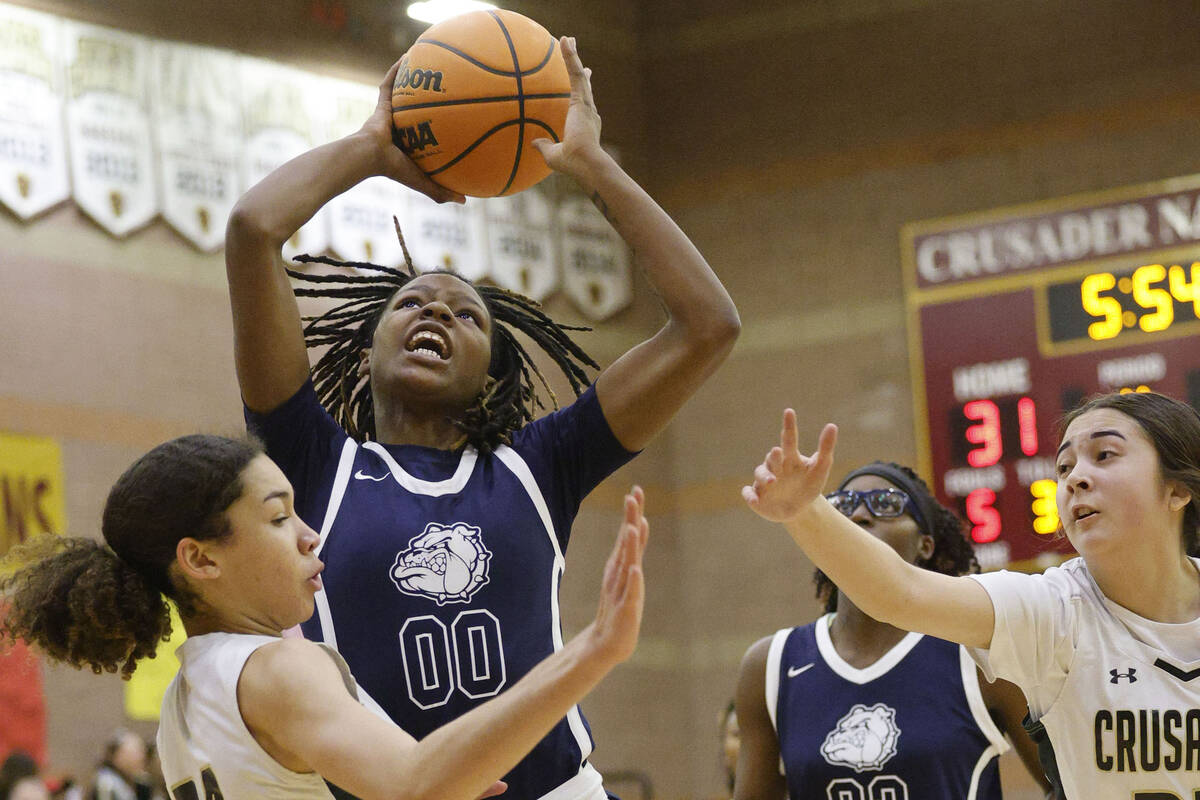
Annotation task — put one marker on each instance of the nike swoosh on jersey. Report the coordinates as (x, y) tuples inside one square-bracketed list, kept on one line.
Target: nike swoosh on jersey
[(360, 475), (794, 671)]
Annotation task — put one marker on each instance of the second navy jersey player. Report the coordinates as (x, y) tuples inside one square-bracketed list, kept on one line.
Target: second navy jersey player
[(443, 567), (911, 725)]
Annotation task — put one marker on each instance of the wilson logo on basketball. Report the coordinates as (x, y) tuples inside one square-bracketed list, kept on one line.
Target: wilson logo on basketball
[(412, 138), (424, 80)]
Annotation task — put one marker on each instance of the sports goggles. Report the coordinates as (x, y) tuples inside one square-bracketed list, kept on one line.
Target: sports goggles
[(882, 503)]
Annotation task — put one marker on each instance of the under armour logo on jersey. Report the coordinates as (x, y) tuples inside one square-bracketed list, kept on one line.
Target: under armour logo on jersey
[(1117, 677), (444, 563)]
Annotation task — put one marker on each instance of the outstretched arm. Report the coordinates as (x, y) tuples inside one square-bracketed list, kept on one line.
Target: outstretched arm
[(758, 776), (334, 736), (269, 350), (643, 389), (787, 488), (1007, 707)]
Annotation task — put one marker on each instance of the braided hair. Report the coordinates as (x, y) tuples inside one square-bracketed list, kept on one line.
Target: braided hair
[(952, 552), (509, 399)]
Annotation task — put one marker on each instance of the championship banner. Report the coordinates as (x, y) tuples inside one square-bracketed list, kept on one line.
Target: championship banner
[(33, 157), (279, 119), (521, 243), (446, 236), (108, 126), (595, 261), (360, 220), (198, 132), (31, 489)]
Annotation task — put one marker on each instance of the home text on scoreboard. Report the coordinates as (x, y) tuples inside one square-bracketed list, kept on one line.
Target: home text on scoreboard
[(1016, 315)]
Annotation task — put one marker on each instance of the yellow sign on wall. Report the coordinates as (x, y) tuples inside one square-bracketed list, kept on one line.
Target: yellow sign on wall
[(144, 691), (31, 489)]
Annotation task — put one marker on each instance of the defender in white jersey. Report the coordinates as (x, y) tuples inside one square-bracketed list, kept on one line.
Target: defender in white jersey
[(210, 523), (1105, 647)]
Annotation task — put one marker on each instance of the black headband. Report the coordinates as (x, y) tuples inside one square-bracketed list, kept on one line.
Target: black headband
[(925, 506)]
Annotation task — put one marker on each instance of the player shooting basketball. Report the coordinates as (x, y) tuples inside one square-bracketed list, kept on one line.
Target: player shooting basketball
[(444, 509)]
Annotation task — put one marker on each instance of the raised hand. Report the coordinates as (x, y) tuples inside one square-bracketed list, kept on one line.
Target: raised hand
[(581, 133), (394, 163), (786, 483), (619, 618)]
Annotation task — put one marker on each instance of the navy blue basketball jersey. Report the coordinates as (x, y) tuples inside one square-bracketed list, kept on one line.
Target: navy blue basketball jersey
[(442, 568), (911, 725)]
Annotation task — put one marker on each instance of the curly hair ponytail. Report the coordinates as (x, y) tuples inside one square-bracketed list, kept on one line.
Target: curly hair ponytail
[(101, 605), (81, 604)]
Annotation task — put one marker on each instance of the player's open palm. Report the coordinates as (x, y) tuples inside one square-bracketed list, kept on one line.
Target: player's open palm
[(581, 131), (622, 592), (788, 481)]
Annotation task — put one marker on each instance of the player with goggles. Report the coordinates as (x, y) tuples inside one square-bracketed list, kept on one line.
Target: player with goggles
[(882, 503), (829, 700)]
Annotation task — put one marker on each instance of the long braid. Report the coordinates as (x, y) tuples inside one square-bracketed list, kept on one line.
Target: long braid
[(510, 399)]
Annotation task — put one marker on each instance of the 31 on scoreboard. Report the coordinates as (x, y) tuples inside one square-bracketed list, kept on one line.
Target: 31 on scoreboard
[(1016, 315)]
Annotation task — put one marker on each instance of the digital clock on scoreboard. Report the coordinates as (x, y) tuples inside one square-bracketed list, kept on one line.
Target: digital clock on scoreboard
[(1017, 315)]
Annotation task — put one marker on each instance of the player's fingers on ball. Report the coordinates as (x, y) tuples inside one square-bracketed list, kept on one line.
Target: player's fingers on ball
[(389, 80), (750, 496), (571, 58)]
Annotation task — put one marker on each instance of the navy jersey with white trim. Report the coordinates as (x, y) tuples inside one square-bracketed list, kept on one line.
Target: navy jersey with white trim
[(442, 568), (912, 725)]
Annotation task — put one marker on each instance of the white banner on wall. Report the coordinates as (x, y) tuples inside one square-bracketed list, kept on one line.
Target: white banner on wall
[(447, 235), (595, 260), (33, 158), (108, 126), (198, 130), (360, 220), (127, 125), (280, 117), (521, 243)]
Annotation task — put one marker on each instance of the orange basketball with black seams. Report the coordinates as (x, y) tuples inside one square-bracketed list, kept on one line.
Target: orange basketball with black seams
[(471, 95)]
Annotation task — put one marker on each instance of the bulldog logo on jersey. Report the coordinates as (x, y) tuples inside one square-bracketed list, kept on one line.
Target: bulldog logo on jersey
[(864, 739), (444, 563)]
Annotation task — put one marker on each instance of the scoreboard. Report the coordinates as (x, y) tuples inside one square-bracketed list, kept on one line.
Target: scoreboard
[(1016, 315)]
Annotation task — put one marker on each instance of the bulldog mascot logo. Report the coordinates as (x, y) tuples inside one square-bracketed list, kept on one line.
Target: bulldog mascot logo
[(864, 739), (445, 564)]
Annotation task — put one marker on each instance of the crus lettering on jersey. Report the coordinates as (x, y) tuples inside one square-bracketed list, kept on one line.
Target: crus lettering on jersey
[(447, 564), (1147, 740)]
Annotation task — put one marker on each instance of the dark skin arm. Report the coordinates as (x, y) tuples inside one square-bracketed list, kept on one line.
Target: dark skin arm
[(1007, 706), (269, 349), (642, 391), (758, 775)]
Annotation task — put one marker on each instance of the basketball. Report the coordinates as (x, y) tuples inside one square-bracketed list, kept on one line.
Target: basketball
[(471, 95)]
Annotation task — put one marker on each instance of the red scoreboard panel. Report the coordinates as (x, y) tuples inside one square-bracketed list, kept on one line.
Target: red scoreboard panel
[(1018, 314)]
